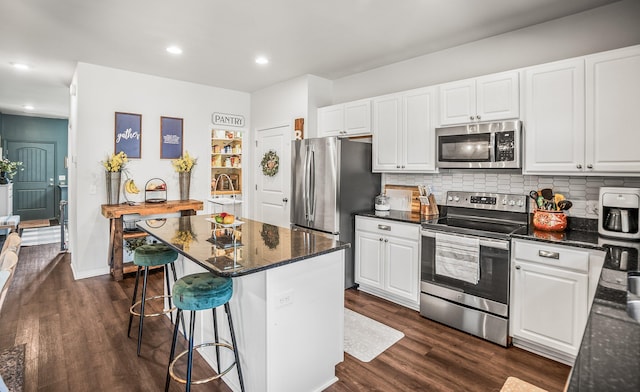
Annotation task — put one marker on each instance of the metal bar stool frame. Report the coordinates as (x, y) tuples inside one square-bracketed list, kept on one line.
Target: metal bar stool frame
[(144, 299), (189, 352)]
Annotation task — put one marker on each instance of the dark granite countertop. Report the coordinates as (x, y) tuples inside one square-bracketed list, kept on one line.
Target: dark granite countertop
[(394, 215), (263, 246), (609, 356)]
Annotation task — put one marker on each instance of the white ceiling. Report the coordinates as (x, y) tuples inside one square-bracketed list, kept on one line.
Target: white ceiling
[(220, 38)]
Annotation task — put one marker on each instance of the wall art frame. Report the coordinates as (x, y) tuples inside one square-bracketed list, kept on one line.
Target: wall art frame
[(128, 134), (171, 137)]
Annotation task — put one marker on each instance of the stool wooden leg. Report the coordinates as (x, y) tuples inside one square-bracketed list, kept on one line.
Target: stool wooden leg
[(133, 301), (227, 309), (192, 327), (144, 296), (215, 334), (174, 341)]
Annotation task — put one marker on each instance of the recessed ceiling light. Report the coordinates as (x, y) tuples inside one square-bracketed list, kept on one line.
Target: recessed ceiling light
[(21, 66), (28, 107), (174, 50), (262, 60)]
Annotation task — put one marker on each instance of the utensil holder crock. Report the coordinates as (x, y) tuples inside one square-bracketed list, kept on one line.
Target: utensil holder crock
[(549, 220)]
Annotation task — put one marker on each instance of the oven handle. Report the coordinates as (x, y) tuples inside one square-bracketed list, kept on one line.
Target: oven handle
[(483, 241)]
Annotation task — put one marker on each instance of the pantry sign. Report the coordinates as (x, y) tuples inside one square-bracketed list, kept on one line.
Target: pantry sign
[(228, 120)]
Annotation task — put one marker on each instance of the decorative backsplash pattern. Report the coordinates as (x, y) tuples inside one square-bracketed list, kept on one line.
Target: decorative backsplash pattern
[(582, 191)]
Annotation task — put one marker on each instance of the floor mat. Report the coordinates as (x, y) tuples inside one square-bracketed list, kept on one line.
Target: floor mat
[(40, 236), (12, 367), (34, 223), (514, 384), (365, 338)]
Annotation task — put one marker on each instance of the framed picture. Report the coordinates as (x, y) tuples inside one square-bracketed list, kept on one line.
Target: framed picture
[(170, 137), (128, 134)]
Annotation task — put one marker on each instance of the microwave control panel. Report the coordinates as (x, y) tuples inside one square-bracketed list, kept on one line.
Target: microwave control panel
[(505, 146)]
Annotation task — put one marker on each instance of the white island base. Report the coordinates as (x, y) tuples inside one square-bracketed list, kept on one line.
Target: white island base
[(289, 323)]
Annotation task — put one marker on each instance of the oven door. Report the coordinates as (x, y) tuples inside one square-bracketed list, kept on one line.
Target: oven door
[(468, 150), (490, 294)]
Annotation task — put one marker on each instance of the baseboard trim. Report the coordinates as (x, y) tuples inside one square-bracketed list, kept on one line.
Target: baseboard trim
[(77, 275)]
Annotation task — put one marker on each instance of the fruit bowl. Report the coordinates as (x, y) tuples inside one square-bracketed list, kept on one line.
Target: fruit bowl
[(155, 191)]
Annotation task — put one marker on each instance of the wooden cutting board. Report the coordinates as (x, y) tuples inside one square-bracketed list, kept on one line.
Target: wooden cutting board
[(431, 209)]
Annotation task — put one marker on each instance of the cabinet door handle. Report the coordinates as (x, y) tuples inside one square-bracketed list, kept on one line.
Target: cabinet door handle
[(548, 254), (386, 240), (517, 267), (384, 227), (589, 166), (478, 117), (471, 118), (380, 239), (579, 166)]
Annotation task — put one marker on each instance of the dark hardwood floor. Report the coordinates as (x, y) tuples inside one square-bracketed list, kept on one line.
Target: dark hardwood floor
[(75, 336)]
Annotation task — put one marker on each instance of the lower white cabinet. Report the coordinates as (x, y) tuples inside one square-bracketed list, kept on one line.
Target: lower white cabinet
[(387, 260), (6, 199), (549, 298)]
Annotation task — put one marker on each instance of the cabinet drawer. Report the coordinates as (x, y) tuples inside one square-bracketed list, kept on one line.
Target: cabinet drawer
[(388, 228), (556, 256)]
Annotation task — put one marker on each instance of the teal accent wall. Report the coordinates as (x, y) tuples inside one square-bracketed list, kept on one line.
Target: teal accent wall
[(38, 129)]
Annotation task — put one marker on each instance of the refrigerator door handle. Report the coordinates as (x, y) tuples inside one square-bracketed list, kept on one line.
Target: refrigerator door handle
[(305, 181), (312, 188)]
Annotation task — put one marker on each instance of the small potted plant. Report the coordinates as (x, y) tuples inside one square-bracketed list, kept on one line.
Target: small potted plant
[(8, 169)]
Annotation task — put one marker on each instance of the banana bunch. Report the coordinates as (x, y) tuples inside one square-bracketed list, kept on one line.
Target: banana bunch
[(130, 187)]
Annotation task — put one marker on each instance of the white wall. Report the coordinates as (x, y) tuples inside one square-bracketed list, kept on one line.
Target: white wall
[(103, 91), (604, 28)]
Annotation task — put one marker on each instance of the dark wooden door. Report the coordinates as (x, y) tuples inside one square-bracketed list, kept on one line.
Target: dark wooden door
[(33, 190)]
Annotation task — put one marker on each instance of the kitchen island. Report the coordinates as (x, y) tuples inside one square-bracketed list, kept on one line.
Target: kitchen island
[(287, 304)]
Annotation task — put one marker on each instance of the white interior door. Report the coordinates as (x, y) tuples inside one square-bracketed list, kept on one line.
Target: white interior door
[(272, 192)]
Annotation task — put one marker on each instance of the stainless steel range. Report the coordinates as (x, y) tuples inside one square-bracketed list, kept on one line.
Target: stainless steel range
[(465, 262)]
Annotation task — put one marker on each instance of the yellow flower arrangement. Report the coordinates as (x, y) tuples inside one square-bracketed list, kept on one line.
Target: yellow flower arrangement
[(183, 238), (115, 162), (185, 163)]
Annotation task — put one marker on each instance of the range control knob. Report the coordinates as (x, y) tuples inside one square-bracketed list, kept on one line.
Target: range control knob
[(512, 203), (450, 198), (456, 199), (504, 202), (520, 203)]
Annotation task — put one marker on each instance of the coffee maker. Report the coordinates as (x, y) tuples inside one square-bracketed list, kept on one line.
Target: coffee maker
[(619, 213)]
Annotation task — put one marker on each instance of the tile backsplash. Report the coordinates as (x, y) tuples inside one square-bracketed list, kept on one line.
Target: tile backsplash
[(582, 191)]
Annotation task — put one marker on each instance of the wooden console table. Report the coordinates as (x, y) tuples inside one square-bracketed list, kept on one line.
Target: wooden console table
[(114, 213)]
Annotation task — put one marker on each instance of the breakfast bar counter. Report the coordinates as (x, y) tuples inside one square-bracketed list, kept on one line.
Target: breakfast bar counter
[(287, 303)]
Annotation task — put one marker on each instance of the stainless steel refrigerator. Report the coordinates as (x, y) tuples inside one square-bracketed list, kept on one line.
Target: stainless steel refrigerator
[(331, 180)]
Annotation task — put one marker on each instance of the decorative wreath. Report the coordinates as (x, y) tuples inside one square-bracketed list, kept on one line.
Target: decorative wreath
[(270, 163), (270, 235)]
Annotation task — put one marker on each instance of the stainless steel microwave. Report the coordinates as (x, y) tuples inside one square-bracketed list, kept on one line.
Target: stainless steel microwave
[(495, 145)]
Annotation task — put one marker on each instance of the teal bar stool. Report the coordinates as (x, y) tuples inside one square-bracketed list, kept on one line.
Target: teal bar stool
[(201, 292), (145, 256)]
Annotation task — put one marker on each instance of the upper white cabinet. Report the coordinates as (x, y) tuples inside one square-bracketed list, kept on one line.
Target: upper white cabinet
[(403, 132), (487, 98), (578, 115), (346, 119), (553, 117), (613, 101)]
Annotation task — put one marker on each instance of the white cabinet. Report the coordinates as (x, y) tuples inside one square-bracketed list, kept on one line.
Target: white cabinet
[(549, 298), (404, 132), (578, 115), (347, 119), (553, 117), (6, 199), (613, 100), (487, 98), (387, 260)]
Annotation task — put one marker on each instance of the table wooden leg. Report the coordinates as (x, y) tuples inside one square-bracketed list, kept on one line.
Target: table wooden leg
[(112, 227), (187, 212), (117, 250)]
